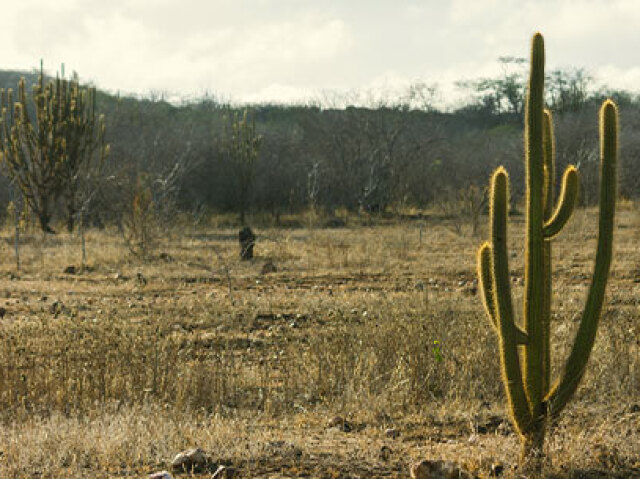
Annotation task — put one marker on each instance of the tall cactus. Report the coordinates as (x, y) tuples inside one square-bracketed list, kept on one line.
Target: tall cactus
[(45, 148), (525, 346)]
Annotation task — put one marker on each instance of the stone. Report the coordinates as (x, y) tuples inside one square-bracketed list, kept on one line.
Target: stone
[(335, 421), (392, 433), (504, 429), (160, 475), (268, 268), (438, 470), (224, 472), (340, 423), (191, 460)]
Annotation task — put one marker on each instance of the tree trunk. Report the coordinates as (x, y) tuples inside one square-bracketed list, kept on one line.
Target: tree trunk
[(16, 244), (44, 219), (243, 202), (71, 214), (41, 210), (84, 246)]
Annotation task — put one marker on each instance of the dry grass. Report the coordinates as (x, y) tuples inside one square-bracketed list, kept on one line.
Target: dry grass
[(111, 371)]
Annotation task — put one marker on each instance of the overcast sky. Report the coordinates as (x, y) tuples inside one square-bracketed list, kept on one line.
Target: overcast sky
[(288, 50)]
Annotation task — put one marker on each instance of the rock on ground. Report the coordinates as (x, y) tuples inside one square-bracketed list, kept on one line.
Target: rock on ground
[(224, 472), (160, 475), (189, 460), (438, 470)]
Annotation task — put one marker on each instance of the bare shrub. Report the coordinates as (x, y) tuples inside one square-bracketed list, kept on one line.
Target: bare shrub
[(463, 207), (140, 228)]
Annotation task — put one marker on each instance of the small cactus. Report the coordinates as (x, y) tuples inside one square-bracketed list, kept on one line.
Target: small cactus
[(532, 398)]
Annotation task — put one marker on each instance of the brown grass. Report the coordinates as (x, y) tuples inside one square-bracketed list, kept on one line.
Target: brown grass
[(109, 373)]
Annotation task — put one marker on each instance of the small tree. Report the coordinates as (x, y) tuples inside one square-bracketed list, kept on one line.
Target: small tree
[(504, 94), (242, 148), (139, 225), (463, 206)]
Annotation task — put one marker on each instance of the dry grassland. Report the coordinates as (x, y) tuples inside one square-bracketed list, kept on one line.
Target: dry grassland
[(112, 371)]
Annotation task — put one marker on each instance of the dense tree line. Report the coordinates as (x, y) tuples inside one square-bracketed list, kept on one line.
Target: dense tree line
[(386, 156)]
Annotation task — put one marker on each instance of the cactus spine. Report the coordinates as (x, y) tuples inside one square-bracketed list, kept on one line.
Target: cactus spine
[(525, 350)]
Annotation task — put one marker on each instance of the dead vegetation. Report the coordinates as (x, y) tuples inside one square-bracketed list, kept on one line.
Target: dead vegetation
[(105, 374)]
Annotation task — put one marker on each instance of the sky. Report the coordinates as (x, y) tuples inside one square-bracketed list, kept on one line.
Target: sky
[(300, 50)]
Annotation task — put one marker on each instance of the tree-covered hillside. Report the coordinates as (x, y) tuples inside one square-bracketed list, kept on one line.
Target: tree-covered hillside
[(392, 154)]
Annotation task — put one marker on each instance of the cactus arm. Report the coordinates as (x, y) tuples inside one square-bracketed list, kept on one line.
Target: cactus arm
[(565, 387), (566, 205), (534, 250), (485, 281), (548, 146), (486, 287), (509, 358)]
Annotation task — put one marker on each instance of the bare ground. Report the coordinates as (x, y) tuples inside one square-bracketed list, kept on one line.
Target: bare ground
[(111, 371)]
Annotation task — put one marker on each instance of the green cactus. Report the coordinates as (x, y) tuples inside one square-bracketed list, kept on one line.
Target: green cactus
[(46, 148), (525, 349), (84, 140)]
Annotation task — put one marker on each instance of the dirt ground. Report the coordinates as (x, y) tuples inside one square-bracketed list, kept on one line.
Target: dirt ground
[(111, 370)]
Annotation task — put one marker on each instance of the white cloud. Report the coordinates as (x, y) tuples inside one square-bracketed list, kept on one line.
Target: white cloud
[(618, 78), (283, 49)]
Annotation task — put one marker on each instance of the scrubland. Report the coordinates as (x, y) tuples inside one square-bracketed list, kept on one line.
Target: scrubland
[(112, 370)]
